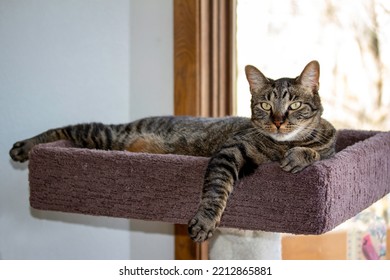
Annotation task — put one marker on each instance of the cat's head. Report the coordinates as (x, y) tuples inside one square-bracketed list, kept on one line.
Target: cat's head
[(286, 109)]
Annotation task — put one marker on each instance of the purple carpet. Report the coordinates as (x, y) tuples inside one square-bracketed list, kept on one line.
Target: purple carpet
[(168, 187)]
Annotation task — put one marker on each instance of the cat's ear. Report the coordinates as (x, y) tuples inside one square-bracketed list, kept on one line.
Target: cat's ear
[(255, 78), (310, 76)]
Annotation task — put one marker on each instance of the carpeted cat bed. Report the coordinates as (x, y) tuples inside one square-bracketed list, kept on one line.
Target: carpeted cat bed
[(168, 187)]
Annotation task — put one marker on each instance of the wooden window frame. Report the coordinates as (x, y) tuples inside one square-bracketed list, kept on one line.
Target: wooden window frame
[(204, 76)]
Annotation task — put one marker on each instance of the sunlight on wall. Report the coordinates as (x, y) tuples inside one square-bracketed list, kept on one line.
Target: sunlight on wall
[(350, 39)]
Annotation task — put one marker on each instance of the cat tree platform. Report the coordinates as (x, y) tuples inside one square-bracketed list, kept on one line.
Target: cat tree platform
[(167, 188)]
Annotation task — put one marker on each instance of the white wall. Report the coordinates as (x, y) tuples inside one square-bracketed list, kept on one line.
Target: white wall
[(73, 61), (151, 58), (151, 84)]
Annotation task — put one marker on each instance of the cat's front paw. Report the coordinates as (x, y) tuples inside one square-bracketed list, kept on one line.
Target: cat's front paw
[(201, 228), (298, 158), (20, 150)]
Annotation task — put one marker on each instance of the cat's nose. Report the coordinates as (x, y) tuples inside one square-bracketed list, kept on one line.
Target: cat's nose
[(278, 120), (278, 123)]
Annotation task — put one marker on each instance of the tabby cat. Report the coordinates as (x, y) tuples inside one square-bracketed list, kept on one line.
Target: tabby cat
[(286, 126)]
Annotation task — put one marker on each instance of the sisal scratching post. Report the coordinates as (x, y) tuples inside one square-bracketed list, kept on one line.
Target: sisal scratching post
[(235, 244)]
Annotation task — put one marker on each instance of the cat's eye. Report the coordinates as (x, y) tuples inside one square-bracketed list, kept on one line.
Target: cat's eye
[(265, 106), (295, 105)]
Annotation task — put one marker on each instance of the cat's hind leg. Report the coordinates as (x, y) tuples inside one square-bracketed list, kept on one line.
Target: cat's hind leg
[(90, 135), (20, 150), (147, 144)]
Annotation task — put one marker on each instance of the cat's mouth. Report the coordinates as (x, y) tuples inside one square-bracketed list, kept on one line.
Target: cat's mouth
[(285, 136), (284, 132)]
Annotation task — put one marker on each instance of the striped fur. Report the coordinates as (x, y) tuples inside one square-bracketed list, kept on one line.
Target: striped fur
[(286, 126)]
